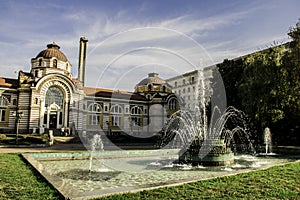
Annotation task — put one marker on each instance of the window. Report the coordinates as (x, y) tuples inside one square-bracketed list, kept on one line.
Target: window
[(45, 118), (189, 89), (40, 62), (3, 101), (183, 91), (193, 79), (60, 121), (136, 116), (183, 81), (175, 83), (115, 120), (173, 104), (116, 115), (55, 63), (2, 115), (94, 111), (54, 95), (3, 107)]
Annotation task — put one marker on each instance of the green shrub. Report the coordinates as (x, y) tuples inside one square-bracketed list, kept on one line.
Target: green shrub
[(2, 137)]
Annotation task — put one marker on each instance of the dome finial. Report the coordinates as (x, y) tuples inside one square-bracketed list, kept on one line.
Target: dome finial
[(153, 74), (53, 45)]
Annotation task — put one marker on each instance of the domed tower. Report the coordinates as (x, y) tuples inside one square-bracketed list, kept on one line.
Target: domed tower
[(162, 102), (50, 60), (152, 86)]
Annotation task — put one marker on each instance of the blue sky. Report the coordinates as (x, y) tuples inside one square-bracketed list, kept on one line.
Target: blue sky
[(129, 38)]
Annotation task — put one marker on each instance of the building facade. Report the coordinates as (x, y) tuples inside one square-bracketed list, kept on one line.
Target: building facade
[(188, 86), (50, 98)]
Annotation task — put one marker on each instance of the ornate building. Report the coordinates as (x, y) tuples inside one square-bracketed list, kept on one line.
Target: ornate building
[(49, 97)]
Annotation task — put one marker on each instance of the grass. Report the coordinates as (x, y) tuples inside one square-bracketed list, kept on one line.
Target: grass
[(280, 182), (18, 180)]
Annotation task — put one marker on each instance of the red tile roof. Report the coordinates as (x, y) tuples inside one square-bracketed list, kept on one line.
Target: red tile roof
[(101, 92)]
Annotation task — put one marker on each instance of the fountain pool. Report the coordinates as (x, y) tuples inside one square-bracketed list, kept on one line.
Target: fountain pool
[(124, 171)]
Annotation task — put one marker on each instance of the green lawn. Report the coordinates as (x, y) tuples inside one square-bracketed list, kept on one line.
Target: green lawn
[(281, 182), (18, 180)]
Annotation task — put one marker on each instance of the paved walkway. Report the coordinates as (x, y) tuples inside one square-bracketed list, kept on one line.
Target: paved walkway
[(64, 144), (61, 144)]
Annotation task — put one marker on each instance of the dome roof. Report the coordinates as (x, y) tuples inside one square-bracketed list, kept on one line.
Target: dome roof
[(153, 79), (52, 51)]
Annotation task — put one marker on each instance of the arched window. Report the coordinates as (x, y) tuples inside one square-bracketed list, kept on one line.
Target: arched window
[(173, 104), (94, 111), (40, 62), (54, 95), (3, 108), (54, 100), (55, 63), (148, 96), (116, 112), (150, 87), (136, 116), (193, 79)]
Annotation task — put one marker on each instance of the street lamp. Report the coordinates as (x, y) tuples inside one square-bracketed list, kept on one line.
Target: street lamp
[(18, 115)]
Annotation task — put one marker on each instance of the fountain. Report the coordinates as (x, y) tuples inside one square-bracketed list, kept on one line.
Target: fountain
[(68, 171), (267, 137), (212, 147), (96, 145), (268, 140), (202, 144)]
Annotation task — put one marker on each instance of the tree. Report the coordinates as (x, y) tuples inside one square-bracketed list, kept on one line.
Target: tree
[(231, 71), (260, 90), (270, 88)]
